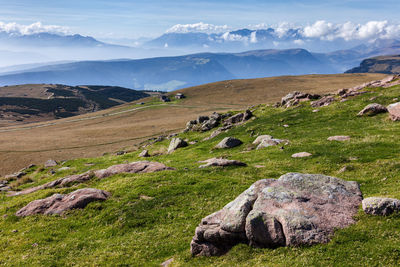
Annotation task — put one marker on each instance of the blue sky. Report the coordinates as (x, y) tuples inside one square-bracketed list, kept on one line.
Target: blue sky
[(133, 19)]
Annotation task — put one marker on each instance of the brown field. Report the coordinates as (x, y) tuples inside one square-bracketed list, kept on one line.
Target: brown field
[(125, 126)]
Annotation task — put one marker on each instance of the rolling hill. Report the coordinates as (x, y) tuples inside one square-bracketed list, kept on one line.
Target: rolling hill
[(124, 127), (41, 102)]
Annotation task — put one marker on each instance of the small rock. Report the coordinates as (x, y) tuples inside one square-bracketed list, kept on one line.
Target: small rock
[(63, 169), (35, 245), (15, 231), (261, 138), (271, 142), (144, 154), (339, 138), (193, 142), (301, 155), (373, 98), (221, 162), (315, 110), (380, 206), (229, 142), (259, 166), (144, 197), (50, 163), (372, 109), (175, 144), (394, 111), (325, 101), (353, 158), (120, 153), (167, 262)]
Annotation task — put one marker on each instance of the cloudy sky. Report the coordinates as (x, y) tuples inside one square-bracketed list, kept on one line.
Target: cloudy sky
[(133, 19)]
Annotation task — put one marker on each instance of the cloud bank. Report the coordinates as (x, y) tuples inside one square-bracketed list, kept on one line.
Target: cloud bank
[(321, 30), (34, 28)]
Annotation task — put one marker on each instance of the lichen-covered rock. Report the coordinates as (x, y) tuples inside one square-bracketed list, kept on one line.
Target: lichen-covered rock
[(238, 118), (340, 138), (221, 162), (296, 209), (380, 206), (57, 203), (271, 142), (229, 142), (175, 144), (394, 111), (261, 138), (144, 154), (294, 98), (372, 109)]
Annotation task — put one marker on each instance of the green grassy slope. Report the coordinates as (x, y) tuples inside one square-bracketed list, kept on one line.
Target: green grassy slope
[(132, 230)]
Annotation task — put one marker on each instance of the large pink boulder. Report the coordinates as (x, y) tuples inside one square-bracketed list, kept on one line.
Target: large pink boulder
[(57, 203), (296, 209)]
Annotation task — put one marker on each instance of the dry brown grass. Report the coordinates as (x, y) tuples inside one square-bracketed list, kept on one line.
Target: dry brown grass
[(99, 133)]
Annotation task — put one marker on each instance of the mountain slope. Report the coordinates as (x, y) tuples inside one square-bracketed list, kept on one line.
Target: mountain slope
[(150, 218), (382, 64), (42, 102)]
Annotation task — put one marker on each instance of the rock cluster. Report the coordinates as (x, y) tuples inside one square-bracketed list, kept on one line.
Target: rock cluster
[(134, 167), (297, 209), (324, 101), (380, 206), (294, 98), (58, 203)]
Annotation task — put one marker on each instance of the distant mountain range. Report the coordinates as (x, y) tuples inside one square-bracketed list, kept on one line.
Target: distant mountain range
[(41, 102)]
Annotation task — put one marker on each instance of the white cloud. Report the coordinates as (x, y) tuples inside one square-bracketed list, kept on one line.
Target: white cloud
[(298, 42), (34, 28), (253, 37), (197, 27)]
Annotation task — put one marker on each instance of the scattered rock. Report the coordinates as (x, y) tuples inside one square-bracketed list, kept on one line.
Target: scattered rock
[(175, 144), (301, 155), (353, 158), (120, 153), (261, 138), (380, 206), (294, 98), (372, 109), (238, 118), (14, 175), (221, 162), (58, 203), (167, 262), (286, 125), (144, 154), (144, 197), (271, 142), (229, 142), (339, 138), (394, 111), (324, 101), (134, 167), (202, 119), (259, 166), (297, 209), (50, 163), (315, 110)]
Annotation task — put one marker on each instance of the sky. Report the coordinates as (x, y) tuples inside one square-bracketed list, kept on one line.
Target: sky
[(150, 18)]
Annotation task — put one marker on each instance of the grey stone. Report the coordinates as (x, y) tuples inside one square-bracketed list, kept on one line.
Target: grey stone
[(229, 142), (221, 162), (339, 138), (394, 111), (50, 163), (301, 155), (144, 154), (372, 109), (380, 206), (175, 144)]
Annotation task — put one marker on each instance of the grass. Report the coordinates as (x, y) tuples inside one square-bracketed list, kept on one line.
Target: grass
[(126, 126), (129, 230)]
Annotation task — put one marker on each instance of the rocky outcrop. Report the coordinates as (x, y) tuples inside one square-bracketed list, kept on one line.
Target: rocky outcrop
[(220, 162), (294, 98), (380, 206), (134, 167), (324, 101), (394, 111), (372, 109), (229, 142), (340, 138), (58, 203), (238, 118), (297, 209), (175, 144)]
